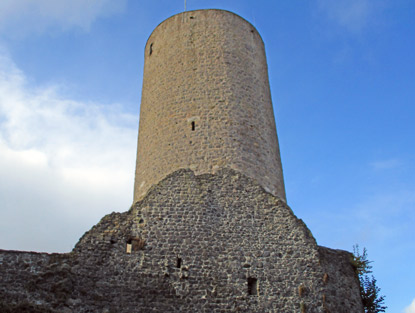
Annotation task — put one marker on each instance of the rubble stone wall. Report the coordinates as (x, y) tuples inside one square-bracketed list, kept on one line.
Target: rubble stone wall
[(206, 243)]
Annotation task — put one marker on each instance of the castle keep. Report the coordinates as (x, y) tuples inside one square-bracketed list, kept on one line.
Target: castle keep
[(206, 102), (209, 230)]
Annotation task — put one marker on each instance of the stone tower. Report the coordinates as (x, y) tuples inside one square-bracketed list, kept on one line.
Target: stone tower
[(206, 102), (209, 230)]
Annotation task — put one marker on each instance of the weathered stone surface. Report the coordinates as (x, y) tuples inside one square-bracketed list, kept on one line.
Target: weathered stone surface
[(206, 102), (214, 237), (198, 245)]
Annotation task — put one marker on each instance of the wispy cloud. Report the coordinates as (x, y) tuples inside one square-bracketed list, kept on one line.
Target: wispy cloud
[(386, 164), (410, 308), (63, 163), (27, 16), (386, 216), (353, 15)]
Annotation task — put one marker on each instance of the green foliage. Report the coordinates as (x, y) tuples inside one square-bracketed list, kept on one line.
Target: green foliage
[(373, 302), (360, 262)]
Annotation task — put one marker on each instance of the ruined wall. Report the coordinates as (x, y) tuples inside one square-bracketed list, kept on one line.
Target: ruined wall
[(340, 276), (208, 243), (222, 241), (206, 102)]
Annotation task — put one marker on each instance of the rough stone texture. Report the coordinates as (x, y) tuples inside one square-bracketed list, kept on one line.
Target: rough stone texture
[(223, 240), (340, 276), (206, 67), (196, 242)]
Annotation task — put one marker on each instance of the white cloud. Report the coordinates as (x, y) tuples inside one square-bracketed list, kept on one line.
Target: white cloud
[(386, 164), (63, 163), (354, 15), (386, 216), (24, 16), (410, 308)]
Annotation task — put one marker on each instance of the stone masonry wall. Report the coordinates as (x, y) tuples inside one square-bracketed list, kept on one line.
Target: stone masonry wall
[(206, 102), (207, 243)]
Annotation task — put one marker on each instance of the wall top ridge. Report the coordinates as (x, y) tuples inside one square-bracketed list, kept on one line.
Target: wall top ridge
[(184, 13)]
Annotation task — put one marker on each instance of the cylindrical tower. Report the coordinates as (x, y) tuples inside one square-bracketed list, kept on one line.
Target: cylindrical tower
[(206, 102)]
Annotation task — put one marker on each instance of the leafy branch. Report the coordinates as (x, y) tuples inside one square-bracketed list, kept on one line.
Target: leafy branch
[(373, 302)]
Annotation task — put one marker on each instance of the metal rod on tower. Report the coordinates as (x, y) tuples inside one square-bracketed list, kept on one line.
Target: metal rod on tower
[(185, 5)]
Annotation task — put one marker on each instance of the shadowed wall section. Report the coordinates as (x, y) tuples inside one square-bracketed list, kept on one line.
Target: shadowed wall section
[(207, 243), (210, 230)]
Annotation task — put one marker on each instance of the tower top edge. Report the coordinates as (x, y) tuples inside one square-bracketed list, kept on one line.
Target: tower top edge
[(220, 11)]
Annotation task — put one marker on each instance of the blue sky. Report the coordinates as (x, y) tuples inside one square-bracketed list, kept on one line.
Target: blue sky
[(342, 75)]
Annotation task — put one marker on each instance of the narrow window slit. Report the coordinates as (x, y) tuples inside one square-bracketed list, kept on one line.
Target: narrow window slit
[(193, 125), (135, 244), (252, 286), (129, 246), (179, 263), (151, 49)]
